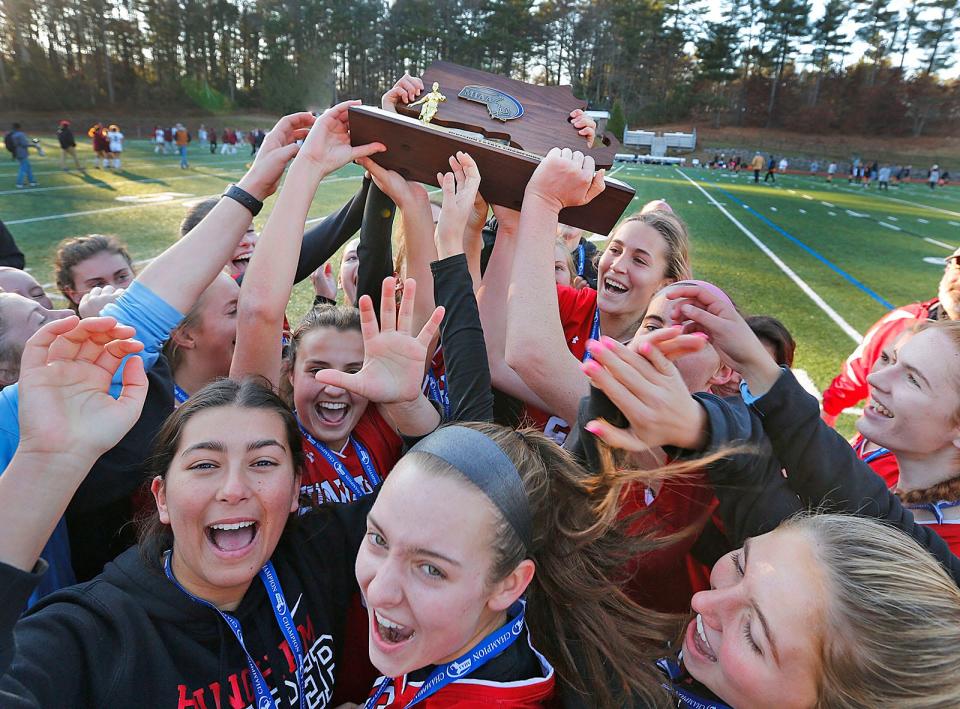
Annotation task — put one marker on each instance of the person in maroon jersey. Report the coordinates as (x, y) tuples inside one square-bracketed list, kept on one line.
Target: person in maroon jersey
[(546, 326)]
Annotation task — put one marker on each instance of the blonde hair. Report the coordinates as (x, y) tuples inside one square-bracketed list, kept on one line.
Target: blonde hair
[(675, 235), (893, 614)]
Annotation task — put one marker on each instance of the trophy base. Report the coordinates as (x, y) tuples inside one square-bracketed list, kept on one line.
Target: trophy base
[(419, 151)]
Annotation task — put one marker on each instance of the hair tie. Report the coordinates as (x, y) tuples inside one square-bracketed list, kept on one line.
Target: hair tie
[(485, 465)]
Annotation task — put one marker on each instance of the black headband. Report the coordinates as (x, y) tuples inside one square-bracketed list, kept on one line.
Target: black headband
[(484, 464)]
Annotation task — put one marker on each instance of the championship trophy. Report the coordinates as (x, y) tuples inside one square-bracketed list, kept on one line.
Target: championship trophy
[(507, 126)]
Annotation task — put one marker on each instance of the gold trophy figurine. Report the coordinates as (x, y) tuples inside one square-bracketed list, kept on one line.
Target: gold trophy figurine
[(430, 103)]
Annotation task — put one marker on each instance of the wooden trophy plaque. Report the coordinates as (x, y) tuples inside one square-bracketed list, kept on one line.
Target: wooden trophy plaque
[(507, 126)]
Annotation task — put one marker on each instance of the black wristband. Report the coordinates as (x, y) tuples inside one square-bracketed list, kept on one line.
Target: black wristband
[(245, 198)]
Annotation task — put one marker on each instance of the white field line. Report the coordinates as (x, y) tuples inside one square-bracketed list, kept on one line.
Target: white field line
[(806, 381), (70, 215), (35, 190), (890, 226), (938, 243), (138, 163), (789, 272)]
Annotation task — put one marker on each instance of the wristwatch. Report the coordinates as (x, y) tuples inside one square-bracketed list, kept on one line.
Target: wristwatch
[(245, 198)]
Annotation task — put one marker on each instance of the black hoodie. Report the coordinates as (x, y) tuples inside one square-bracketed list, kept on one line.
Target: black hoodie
[(131, 638)]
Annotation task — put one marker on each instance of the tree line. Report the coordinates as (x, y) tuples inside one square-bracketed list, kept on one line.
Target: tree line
[(765, 62)]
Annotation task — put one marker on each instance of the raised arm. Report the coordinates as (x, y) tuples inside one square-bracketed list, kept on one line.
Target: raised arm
[(465, 356), (492, 304), (393, 361), (822, 468), (536, 348), (322, 240), (269, 277), (65, 379), (181, 273)]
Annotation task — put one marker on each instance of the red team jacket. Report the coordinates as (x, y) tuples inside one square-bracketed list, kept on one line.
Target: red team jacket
[(577, 308), (943, 519), (320, 484), (850, 386), (320, 481)]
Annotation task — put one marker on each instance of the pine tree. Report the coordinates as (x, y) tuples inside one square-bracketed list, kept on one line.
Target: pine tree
[(618, 120)]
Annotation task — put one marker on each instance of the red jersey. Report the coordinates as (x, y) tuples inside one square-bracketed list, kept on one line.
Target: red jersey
[(850, 386), (881, 461), (578, 308), (320, 481), (678, 506), (467, 693), (943, 517)]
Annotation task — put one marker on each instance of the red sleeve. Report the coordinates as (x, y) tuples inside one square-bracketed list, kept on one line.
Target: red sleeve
[(379, 438), (577, 307), (850, 386)]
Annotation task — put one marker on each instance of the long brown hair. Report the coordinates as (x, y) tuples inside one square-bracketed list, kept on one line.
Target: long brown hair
[(602, 645), (75, 250)]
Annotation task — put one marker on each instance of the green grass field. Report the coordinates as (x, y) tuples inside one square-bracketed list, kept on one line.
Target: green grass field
[(851, 251)]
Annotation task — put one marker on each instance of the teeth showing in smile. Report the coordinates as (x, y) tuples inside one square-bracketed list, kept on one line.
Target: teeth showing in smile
[(881, 409), (332, 405), (391, 632), (231, 527), (704, 644), (614, 285)]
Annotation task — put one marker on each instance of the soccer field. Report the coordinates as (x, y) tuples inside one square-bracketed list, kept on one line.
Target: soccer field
[(826, 259)]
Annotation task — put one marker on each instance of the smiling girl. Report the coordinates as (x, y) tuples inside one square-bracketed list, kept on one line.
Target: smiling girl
[(547, 327)]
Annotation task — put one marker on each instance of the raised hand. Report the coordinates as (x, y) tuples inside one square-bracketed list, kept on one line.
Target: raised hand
[(97, 299), (324, 282), (729, 333), (65, 404), (327, 145), (279, 148), (403, 192), (406, 90), (393, 358), (460, 189), (585, 125), (649, 391), (565, 178)]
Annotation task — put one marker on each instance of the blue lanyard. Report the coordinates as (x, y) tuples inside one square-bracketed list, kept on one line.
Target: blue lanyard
[(441, 396), (263, 698), (874, 455), (581, 259), (594, 333), (340, 469), (488, 648), (935, 508), (685, 698), (179, 394)]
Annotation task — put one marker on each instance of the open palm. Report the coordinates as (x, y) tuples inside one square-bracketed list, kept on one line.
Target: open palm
[(393, 358), (64, 399)]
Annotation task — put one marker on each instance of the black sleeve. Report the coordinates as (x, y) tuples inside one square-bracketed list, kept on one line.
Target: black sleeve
[(322, 241), (464, 350), (825, 471), (580, 442), (375, 251), (16, 586), (753, 496), (10, 254), (43, 655)]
